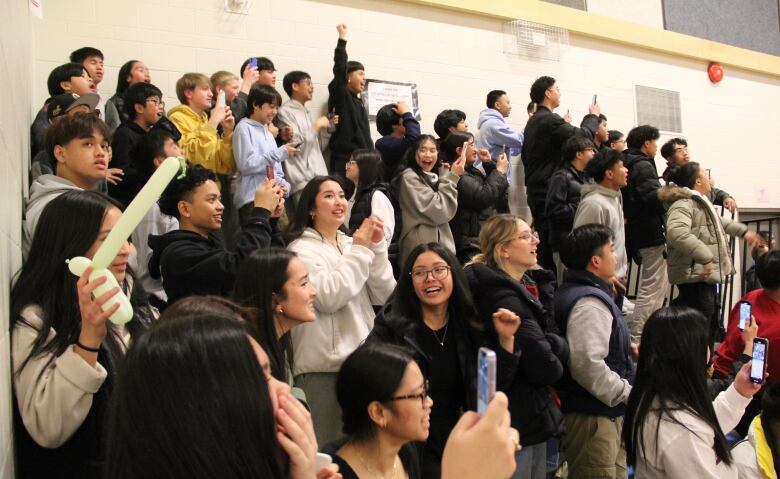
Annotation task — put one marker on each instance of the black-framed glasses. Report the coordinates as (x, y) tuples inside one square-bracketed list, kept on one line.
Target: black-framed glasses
[(439, 272), (421, 396), (156, 102)]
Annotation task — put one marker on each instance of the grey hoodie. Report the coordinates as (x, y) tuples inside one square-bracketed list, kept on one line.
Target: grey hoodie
[(42, 192), (604, 206)]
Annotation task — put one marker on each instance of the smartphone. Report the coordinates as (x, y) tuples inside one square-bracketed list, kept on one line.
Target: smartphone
[(269, 172), (745, 310), (221, 98), (297, 145), (321, 460), (758, 368), (253, 62), (486, 380), (594, 99), (506, 152)]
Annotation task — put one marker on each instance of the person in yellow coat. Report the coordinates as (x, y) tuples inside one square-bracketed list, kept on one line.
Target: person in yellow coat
[(200, 140)]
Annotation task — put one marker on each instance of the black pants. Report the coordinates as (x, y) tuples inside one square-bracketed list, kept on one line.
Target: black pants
[(544, 253), (702, 297)]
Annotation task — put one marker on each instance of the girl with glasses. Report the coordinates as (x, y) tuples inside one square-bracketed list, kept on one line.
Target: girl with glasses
[(431, 313), (505, 275), (384, 398)]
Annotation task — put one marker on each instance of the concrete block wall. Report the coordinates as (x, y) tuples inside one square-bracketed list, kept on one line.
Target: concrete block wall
[(16, 56)]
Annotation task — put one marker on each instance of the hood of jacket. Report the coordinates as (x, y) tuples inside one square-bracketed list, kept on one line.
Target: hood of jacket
[(47, 185), (489, 114), (595, 188), (670, 193), (185, 110), (632, 156), (158, 243)]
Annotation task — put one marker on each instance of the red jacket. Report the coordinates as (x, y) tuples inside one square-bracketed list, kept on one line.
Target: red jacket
[(767, 314)]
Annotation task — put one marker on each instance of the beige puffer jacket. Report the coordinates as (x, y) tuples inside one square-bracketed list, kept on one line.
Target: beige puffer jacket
[(695, 236)]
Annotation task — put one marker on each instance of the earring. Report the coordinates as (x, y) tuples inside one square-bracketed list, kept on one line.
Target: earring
[(281, 311)]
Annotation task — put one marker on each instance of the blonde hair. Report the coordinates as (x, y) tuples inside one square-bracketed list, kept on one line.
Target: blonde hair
[(496, 230), (220, 79), (190, 81)]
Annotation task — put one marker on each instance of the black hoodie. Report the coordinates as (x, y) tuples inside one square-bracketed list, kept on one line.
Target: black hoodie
[(645, 214), (191, 264)]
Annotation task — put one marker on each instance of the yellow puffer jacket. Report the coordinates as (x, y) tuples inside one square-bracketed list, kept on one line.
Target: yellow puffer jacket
[(201, 143)]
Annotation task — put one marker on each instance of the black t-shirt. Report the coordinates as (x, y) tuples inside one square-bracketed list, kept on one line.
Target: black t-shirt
[(407, 454)]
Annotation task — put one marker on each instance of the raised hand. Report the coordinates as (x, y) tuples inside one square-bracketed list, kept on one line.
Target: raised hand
[(296, 436), (342, 29), (506, 323)]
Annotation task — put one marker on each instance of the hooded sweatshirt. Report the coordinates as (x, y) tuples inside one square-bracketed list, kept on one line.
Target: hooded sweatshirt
[(42, 192), (308, 162), (494, 134), (201, 143), (190, 264), (604, 206)]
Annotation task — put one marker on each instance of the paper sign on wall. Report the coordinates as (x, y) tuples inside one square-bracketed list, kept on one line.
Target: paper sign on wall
[(379, 93), (762, 195)]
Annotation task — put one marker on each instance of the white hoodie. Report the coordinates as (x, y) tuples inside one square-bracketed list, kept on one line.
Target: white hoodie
[(348, 283)]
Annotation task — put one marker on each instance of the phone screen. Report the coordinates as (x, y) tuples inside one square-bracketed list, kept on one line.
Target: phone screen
[(253, 63), (758, 367), (594, 99), (269, 172), (486, 381), (745, 310)]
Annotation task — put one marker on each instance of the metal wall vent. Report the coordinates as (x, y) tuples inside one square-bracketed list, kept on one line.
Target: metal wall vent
[(659, 108)]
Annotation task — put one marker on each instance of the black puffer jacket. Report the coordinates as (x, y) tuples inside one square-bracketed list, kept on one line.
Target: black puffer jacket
[(645, 213), (563, 198), (545, 134), (477, 197), (534, 411)]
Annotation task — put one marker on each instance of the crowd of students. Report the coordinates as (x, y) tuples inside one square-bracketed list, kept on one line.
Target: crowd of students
[(283, 305)]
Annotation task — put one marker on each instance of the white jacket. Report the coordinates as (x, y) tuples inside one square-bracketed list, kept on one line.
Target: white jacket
[(686, 451), (54, 404), (348, 284)]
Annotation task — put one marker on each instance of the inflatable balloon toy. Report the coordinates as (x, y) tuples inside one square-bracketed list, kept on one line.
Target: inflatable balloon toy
[(124, 227)]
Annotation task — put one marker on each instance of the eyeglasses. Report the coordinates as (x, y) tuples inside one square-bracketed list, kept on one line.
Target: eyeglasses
[(439, 272), (156, 102), (527, 236), (422, 396), (351, 163)]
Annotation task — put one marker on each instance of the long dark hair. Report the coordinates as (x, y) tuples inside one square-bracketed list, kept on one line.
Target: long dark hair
[(404, 310), (410, 161), (124, 71), (453, 141), (260, 276), (671, 376), (192, 401), (301, 218), (371, 167), (373, 372), (68, 226)]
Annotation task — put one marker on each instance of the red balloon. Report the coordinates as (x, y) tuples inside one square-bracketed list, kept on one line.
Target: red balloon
[(715, 72)]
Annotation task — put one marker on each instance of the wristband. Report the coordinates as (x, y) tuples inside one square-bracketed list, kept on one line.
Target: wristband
[(85, 348)]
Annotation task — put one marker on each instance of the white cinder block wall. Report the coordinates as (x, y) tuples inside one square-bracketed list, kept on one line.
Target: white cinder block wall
[(454, 58), (15, 117)]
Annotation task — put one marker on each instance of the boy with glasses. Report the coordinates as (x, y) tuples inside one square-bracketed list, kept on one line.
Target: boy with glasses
[(144, 107)]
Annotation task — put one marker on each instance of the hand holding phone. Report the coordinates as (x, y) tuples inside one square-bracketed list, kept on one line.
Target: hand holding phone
[(594, 99), (486, 378), (269, 172), (758, 366), (221, 98), (253, 62)]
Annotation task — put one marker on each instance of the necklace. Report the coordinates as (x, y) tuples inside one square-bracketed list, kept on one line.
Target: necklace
[(444, 336), (374, 471)]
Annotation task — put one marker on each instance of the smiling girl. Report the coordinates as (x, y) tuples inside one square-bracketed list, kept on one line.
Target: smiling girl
[(428, 195), (350, 276)]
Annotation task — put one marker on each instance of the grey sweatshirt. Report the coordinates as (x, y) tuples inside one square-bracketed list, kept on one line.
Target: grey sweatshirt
[(42, 192), (309, 162), (588, 332), (604, 206)]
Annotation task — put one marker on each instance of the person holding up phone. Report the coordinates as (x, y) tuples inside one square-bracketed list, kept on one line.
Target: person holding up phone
[(672, 429), (255, 150)]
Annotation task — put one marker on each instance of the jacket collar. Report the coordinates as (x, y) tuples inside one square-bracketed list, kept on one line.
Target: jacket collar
[(587, 278)]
